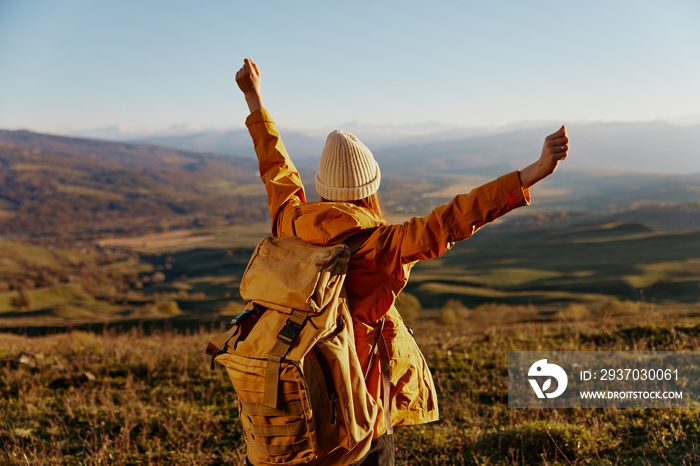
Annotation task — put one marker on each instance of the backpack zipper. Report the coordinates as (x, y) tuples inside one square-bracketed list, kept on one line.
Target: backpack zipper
[(339, 326), (223, 350), (323, 363), (332, 393)]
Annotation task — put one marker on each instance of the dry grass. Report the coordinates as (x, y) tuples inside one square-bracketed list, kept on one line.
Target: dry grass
[(154, 400)]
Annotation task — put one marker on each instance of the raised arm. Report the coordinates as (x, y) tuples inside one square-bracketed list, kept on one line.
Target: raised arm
[(281, 178), (430, 236)]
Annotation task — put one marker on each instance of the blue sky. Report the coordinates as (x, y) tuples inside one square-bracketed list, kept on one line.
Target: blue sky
[(72, 64)]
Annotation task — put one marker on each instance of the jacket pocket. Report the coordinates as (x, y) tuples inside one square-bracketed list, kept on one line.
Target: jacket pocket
[(413, 395)]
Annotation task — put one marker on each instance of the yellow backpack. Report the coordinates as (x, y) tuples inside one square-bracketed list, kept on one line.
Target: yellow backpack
[(291, 358)]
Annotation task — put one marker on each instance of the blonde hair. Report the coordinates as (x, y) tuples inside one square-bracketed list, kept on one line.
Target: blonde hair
[(371, 203)]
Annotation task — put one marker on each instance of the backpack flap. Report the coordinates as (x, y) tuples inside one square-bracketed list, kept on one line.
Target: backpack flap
[(288, 273)]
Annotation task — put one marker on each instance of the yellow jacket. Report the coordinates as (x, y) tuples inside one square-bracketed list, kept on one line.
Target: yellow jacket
[(379, 270)]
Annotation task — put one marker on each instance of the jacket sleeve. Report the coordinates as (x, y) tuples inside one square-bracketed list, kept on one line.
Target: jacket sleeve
[(282, 181), (428, 237)]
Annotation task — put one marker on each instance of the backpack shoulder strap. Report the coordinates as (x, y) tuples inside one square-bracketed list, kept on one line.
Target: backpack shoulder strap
[(356, 241), (386, 381), (380, 348)]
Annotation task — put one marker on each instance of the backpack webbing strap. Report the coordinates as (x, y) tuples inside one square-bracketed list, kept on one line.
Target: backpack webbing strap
[(217, 345), (278, 450), (276, 430), (381, 348), (285, 339), (375, 350), (386, 383), (291, 408), (356, 241), (218, 342)]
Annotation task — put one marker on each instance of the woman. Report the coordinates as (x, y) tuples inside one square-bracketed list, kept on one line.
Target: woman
[(347, 181)]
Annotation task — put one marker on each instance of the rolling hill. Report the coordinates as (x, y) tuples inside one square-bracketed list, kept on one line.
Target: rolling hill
[(54, 186), (585, 263), (131, 229), (69, 187)]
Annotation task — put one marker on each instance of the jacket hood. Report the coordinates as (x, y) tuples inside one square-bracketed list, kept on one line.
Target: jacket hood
[(325, 223)]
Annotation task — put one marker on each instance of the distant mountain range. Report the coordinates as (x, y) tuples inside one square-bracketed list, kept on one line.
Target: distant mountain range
[(88, 188), (651, 147), (595, 147)]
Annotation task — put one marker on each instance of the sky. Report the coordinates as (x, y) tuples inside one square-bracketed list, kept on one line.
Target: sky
[(77, 64)]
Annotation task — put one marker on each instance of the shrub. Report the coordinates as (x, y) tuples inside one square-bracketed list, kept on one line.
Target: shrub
[(453, 312), (574, 312), (616, 307), (494, 313), (166, 307), (409, 307), (23, 300)]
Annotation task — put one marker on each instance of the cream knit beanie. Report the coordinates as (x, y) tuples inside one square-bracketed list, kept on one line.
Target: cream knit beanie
[(347, 170)]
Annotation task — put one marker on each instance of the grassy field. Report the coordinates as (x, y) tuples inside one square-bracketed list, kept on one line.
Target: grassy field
[(133, 398), (191, 275), (547, 268), (587, 263)]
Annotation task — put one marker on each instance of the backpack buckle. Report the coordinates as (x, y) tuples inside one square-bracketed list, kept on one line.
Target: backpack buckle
[(241, 317), (245, 314), (289, 332)]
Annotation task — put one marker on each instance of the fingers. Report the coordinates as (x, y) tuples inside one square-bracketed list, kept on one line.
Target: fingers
[(249, 68), (557, 135), (558, 142), (557, 145), (255, 67), (554, 150), (244, 70), (560, 149), (248, 80)]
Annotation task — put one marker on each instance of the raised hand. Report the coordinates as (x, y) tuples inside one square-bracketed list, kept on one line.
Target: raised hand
[(554, 150), (248, 80)]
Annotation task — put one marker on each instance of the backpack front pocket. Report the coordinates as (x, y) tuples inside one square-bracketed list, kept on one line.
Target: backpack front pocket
[(283, 435)]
